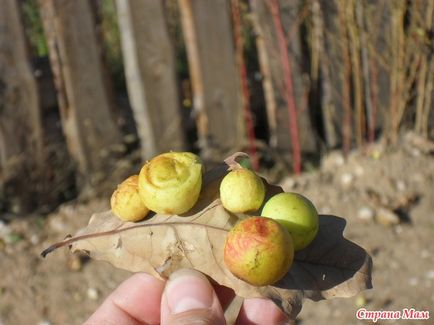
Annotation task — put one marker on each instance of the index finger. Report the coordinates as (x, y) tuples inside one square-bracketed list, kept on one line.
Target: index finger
[(135, 301)]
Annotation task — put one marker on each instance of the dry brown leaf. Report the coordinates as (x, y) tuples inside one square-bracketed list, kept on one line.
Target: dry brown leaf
[(331, 266)]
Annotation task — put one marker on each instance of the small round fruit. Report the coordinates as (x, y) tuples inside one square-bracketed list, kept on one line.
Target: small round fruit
[(170, 183), (297, 214), (259, 251), (126, 202), (241, 190)]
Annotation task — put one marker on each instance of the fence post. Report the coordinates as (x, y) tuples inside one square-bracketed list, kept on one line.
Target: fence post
[(265, 30), (75, 55), (22, 154), (216, 85), (151, 75)]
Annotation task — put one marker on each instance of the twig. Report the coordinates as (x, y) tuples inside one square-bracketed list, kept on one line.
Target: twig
[(424, 83), (357, 75), (267, 84), (360, 13), (188, 29), (374, 98), (346, 123), (397, 68), (288, 94), (239, 45)]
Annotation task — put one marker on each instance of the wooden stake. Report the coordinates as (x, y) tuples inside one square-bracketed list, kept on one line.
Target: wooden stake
[(289, 96)]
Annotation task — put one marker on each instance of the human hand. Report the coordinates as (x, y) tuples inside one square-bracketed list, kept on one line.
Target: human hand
[(186, 298)]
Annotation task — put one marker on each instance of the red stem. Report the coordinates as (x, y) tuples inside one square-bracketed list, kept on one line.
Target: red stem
[(374, 96), (289, 93), (245, 87), (346, 119)]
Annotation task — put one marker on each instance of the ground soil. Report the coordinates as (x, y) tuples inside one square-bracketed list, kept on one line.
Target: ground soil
[(66, 289)]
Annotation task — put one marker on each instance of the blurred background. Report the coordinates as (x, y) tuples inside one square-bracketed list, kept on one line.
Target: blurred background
[(330, 98)]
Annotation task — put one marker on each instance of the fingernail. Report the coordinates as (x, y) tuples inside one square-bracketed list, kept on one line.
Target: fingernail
[(188, 290)]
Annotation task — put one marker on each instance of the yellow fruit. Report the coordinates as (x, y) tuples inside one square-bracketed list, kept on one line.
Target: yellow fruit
[(297, 214), (241, 190), (259, 251), (126, 202), (170, 183)]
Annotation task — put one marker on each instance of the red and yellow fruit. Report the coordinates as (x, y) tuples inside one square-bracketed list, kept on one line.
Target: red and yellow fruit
[(259, 251)]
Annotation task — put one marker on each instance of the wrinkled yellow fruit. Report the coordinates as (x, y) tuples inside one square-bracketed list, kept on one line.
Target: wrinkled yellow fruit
[(259, 251), (126, 202), (242, 190), (170, 183)]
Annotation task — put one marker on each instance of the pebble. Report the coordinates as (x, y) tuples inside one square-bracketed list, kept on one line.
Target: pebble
[(34, 239), (424, 253), (413, 282), (400, 185), (326, 210), (430, 274), (365, 213), (57, 225), (359, 171), (4, 229), (386, 217), (333, 160), (394, 265), (44, 322), (67, 209), (398, 229), (346, 179), (418, 178), (288, 183), (415, 152), (92, 293), (301, 182)]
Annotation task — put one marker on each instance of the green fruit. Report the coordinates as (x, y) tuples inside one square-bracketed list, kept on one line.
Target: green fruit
[(241, 190), (171, 182), (297, 214), (259, 251)]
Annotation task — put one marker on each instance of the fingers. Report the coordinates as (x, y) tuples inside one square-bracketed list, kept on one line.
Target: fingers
[(189, 298), (257, 311), (135, 301), (253, 311)]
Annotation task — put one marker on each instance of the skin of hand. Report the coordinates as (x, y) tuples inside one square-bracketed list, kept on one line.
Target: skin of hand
[(187, 297)]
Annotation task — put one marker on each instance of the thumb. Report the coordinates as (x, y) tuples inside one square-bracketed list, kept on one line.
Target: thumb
[(189, 298)]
